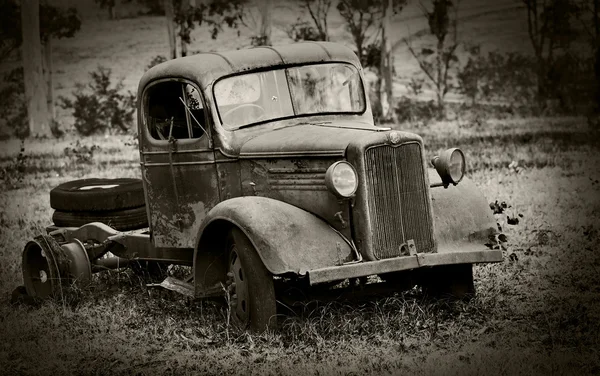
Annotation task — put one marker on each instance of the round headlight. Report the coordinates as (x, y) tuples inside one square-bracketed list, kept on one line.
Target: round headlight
[(341, 179), (450, 165)]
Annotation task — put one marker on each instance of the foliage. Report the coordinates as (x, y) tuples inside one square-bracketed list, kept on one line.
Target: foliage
[(54, 23), (13, 105), (414, 111), (371, 56), (416, 85), (156, 60), (153, 7), (58, 23), (437, 63), (214, 14), (15, 172), (507, 77), (589, 18), (361, 17), (10, 32), (108, 4), (317, 28), (551, 32), (303, 31), (79, 153), (104, 109), (259, 40)]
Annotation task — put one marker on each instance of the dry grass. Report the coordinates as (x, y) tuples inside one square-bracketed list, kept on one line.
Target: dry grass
[(538, 312)]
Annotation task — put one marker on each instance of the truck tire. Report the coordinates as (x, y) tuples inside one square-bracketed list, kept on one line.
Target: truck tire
[(454, 282), (90, 195), (121, 220), (250, 285)]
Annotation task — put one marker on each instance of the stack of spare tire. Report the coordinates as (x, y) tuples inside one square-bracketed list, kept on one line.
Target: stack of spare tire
[(118, 203)]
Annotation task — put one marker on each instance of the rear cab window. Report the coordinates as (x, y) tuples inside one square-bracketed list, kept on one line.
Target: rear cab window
[(174, 110)]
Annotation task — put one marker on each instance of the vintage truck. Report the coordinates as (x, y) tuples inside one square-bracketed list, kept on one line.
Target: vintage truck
[(263, 165)]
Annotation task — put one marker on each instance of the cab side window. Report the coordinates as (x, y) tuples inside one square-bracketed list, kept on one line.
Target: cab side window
[(174, 110)]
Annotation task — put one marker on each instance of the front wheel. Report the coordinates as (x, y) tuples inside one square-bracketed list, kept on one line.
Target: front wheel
[(251, 289), (449, 281)]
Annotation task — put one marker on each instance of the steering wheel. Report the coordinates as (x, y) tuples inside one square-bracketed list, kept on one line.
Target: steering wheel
[(241, 106)]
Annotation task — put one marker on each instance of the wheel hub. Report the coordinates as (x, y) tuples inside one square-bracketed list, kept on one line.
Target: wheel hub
[(238, 290)]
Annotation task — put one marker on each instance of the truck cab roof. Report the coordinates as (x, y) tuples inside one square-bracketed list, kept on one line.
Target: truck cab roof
[(205, 68)]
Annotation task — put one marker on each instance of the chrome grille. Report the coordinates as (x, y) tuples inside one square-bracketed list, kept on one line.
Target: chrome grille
[(397, 199)]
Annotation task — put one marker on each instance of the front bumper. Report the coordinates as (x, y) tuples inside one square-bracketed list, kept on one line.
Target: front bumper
[(456, 254)]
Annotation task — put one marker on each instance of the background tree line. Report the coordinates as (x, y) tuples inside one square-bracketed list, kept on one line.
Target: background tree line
[(560, 75)]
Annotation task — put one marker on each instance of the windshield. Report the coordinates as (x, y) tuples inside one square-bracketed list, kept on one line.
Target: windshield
[(305, 90)]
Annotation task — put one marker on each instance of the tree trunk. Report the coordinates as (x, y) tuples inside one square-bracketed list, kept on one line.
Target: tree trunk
[(596, 18), (184, 8), (385, 69), (47, 48), (439, 85), (169, 17), (265, 21), (111, 12), (31, 53)]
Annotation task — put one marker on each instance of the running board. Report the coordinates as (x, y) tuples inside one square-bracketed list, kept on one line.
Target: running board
[(177, 285), (186, 287)]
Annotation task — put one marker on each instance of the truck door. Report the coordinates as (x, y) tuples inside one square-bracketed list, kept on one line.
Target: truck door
[(177, 159)]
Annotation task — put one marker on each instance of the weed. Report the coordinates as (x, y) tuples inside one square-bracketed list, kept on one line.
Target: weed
[(79, 153), (13, 106), (103, 108), (13, 174), (156, 60)]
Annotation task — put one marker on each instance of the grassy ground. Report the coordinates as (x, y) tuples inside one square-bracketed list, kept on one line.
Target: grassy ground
[(538, 312)]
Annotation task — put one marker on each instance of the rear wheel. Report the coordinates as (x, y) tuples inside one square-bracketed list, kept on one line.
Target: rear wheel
[(250, 286), (48, 267)]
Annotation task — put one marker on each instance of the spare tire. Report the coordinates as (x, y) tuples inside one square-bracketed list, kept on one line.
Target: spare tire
[(90, 195), (121, 220)]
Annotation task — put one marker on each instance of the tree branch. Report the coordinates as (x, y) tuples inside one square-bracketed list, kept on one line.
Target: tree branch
[(421, 65)]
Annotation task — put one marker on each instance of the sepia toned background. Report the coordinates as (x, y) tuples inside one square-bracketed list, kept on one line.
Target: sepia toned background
[(526, 121)]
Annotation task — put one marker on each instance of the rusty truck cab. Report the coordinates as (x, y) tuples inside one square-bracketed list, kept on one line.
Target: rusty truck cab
[(190, 162)]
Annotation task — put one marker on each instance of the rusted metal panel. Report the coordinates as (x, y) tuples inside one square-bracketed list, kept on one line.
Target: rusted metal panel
[(288, 239), (461, 215), (299, 182), (469, 254), (228, 175), (466, 253), (179, 197), (303, 140)]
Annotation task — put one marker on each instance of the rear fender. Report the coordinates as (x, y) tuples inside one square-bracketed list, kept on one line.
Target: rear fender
[(288, 240), (461, 215)]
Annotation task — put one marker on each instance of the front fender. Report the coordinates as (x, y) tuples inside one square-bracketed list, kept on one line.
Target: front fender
[(461, 216), (287, 239)]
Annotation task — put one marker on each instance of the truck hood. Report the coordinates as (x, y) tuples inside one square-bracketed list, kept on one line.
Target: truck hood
[(322, 139)]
